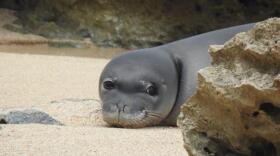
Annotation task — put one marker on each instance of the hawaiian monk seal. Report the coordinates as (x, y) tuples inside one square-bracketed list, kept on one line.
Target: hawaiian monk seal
[(147, 87)]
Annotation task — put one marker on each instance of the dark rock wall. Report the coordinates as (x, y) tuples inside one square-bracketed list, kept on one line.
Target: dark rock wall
[(137, 23)]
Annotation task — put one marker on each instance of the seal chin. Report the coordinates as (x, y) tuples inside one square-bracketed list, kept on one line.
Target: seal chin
[(140, 119)]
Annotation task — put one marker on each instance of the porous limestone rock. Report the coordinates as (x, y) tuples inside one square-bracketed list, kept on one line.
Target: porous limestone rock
[(236, 108)]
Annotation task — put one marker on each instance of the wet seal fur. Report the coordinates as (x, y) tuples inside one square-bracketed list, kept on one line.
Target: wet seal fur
[(146, 87)]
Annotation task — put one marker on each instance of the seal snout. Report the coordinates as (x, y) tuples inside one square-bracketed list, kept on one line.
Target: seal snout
[(124, 115)]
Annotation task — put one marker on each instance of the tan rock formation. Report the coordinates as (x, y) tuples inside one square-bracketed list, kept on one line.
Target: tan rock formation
[(236, 109)]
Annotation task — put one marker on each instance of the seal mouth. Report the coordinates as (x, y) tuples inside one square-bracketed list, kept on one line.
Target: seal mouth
[(142, 119)]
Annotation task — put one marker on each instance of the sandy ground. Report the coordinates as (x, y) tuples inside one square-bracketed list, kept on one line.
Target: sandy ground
[(28, 80), (81, 141), (33, 76), (35, 80)]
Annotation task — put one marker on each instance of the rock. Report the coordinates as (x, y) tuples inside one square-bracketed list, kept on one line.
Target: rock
[(69, 112), (125, 24), (236, 108), (27, 116)]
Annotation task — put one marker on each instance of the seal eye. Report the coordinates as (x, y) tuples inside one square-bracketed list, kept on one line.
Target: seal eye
[(151, 90), (108, 85)]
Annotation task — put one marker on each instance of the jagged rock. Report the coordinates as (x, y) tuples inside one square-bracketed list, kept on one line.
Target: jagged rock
[(27, 116), (236, 108)]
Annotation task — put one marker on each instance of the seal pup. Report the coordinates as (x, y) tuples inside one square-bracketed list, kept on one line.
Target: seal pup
[(146, 87)]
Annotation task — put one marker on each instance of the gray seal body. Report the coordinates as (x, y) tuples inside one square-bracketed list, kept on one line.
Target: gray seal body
[(147, 87)]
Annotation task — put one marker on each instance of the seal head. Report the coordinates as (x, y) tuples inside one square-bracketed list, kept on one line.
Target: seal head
[(138, 89)]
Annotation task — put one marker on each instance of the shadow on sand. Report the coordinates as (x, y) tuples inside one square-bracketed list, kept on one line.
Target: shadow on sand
[(92, 52)]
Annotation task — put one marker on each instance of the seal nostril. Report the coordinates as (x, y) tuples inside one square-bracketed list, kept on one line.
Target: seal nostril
[(120, 107), (3, 121), (124, 108)]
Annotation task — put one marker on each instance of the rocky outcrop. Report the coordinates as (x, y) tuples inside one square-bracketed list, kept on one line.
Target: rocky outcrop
[(134, 24), (236, 108)]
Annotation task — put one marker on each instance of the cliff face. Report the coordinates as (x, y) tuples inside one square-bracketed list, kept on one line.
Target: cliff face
[(137, 23), (236, 108)]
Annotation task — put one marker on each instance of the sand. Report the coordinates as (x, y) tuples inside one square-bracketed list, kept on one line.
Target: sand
[(35, 75), (80, 141), (38, 79), (33, 80)]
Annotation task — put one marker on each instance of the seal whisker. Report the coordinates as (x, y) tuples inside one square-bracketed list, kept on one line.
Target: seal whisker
[(149, 113), (150, 118)]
